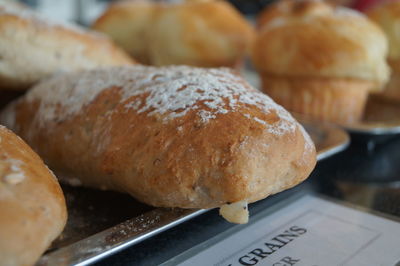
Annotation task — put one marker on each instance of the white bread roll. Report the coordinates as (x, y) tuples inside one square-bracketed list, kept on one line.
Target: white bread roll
[(32, 205), (32, 47)]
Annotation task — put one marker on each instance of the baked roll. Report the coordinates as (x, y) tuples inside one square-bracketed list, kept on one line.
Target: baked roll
[(196, 33), (320, 60), (387, 16), (32, 48), (32, 205), (171, 136)]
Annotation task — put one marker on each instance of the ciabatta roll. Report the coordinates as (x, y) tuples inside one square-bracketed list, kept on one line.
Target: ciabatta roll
[(172, 137)]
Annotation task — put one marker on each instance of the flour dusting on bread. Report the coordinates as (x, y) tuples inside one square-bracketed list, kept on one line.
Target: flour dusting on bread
[(10, 170), (14, 178), (171, 91)]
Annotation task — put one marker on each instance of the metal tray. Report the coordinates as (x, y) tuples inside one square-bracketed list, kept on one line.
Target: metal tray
[(381, 117), (101, 223), (328, 139)]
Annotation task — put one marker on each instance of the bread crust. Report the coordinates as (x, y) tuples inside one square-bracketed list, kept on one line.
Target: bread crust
[(311, 39), (32, 48), (32, 205), (196, 33), (172, 137), (127, 23)]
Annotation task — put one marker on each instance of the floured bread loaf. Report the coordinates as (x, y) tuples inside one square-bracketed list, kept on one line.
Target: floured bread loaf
[(32, 206), (32, 47), (172, 136)]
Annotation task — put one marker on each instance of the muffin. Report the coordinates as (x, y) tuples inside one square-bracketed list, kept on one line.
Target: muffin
[(196, 33), (387, 15), (320, 60)]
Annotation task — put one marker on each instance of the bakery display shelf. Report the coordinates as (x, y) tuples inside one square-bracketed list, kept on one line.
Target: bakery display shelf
[(381, 117), (101, 223)]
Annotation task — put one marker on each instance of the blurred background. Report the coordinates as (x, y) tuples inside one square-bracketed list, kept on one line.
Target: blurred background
[(85, 11)]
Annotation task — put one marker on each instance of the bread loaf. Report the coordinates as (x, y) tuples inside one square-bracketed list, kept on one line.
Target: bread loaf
[(32, 47), (171, 137), (195, 33), (32, 206)]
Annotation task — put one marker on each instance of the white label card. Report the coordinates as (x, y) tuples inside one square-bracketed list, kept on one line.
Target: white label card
[(310, 232)]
